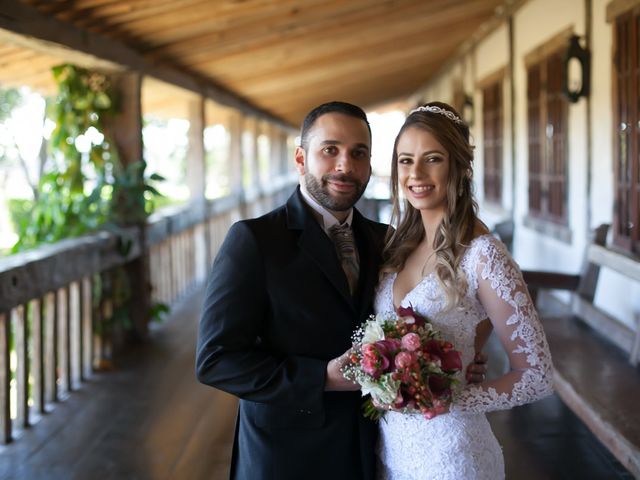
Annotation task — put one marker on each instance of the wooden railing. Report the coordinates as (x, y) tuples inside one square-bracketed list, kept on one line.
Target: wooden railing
[(57, 302)]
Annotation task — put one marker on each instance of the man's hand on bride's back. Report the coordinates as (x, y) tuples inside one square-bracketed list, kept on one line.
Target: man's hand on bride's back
[(477, 370), (335, 381)]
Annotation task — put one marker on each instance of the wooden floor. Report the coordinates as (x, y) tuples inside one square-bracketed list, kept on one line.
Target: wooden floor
[(147, 419), (150, 419)]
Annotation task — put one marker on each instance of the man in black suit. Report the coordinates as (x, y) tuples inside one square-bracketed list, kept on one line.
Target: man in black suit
[(279, 313)]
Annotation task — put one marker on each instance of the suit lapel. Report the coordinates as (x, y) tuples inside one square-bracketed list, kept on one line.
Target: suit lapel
[(317, 245)]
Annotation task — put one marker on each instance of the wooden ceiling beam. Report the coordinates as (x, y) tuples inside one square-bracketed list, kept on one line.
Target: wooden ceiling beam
[(351, 71), (24, 25), (281, 63), (220, 24), (362, 20), (102, 19), (301, 26), (392, 88)]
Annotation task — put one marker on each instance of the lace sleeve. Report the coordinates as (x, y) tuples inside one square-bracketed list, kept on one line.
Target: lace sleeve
[(504, 296)]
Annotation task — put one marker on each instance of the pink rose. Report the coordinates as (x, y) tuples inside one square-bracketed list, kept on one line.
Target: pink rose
[(375, 358), (404, 360), (411, 342)]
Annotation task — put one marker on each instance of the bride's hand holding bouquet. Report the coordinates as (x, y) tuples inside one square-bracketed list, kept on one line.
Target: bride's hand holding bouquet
[(403, 364)]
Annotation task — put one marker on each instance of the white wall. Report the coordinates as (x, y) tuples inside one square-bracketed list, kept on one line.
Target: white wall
[(602, 117), (535, 23), (492, 55)]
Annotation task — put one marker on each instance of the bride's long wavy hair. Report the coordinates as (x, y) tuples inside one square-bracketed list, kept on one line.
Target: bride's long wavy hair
[(456, 230)]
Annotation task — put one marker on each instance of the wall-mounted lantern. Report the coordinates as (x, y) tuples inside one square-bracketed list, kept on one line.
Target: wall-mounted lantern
[(577, 71)]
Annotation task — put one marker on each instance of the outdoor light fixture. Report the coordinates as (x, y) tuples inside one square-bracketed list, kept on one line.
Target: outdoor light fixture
[(577, 71)]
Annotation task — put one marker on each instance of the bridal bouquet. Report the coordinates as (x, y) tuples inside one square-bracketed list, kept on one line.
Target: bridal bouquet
[(402, 363)]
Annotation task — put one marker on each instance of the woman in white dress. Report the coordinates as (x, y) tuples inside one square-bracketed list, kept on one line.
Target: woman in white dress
[(442, 261)]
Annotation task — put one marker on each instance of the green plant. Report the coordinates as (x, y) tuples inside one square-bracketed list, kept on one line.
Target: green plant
[(74, 198), (86, 188)]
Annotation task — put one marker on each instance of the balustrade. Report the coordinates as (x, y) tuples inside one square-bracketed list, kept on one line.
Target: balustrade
[(58, 302)]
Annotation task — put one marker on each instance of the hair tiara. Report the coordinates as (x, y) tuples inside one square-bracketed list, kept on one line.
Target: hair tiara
[(440, 111)]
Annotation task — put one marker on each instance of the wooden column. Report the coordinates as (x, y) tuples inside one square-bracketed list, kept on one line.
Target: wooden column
[(286, 166), (251, 157), (274, 160), (197, 180), (235, 152), (196, 170), (126, 131)]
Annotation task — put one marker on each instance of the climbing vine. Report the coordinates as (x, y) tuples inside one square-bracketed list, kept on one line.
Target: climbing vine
[(85, 187)]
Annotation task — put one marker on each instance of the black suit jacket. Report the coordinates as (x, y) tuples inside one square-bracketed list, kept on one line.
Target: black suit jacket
[(277, 309)]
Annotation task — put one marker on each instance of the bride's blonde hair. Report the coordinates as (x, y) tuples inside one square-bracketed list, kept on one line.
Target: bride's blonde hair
[(456, 230)]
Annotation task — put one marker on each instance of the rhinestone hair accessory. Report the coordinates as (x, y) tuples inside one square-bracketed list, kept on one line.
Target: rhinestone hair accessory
[(440, 111)]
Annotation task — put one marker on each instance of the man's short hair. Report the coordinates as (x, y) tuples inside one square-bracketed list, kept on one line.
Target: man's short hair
[(330, 107)]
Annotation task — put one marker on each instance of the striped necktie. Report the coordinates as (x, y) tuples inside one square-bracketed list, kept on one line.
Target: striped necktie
[(342, 237)]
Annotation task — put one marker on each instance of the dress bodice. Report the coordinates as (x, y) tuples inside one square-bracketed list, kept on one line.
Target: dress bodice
[(494, 289)]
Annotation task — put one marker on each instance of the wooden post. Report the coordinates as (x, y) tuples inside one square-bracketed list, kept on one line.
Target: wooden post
[(22, 372), (125, 130), (235, 152), (87, 328), (5, 378), (275, 152), (51, 347), (251, 157), (196, 179), (62, 299), (196, 170), (38, 356)]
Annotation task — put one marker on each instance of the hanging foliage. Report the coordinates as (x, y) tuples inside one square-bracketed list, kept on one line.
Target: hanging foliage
[(87, 187)]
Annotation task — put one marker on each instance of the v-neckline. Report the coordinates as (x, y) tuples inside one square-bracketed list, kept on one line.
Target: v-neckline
[(393, 283)]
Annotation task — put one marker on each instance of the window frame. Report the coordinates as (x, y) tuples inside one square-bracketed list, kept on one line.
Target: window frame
[(626, 129), (548, 137), (493, 141)]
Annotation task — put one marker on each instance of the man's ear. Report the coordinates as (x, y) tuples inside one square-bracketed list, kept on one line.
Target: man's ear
[(300, 158)]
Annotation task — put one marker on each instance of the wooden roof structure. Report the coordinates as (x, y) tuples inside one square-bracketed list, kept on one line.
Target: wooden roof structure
[(278, 58)]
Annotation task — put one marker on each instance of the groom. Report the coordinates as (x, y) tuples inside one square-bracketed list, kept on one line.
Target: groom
[(280, 309)]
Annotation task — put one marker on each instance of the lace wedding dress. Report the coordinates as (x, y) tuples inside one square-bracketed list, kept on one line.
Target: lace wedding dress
[(460, 444)]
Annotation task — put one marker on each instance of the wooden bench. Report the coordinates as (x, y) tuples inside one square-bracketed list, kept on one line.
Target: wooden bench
[(595, 356)]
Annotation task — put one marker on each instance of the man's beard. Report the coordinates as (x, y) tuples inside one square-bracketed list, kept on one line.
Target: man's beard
[(318, 190)]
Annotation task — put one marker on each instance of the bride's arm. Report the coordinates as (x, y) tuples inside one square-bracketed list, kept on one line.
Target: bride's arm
[(505, 298)]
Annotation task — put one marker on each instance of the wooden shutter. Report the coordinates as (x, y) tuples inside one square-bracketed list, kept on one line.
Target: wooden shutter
[(492, 141), (534, 92), (547, 120), (555, 171), (627, 132)]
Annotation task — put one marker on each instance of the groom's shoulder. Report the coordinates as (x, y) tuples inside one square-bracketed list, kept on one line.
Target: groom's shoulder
[(270, 222)]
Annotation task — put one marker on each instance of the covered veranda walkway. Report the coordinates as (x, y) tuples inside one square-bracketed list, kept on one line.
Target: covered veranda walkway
[(253, 69), (150, 419)]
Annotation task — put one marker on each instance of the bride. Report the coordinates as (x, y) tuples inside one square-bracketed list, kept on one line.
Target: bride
[(443, 262)]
